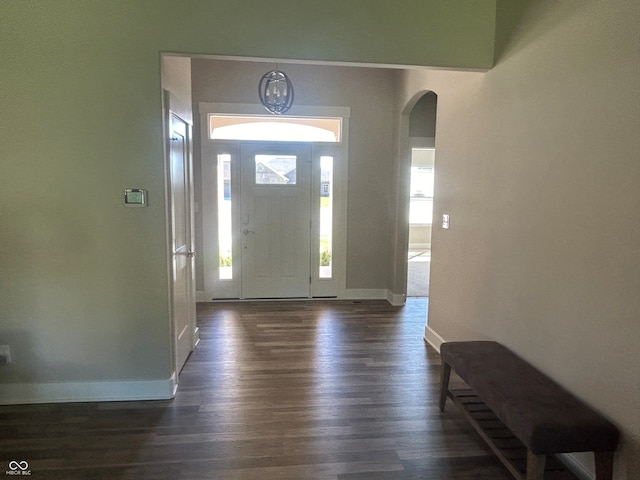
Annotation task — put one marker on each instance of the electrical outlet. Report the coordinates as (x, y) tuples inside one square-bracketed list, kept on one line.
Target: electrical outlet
[(5, 354)]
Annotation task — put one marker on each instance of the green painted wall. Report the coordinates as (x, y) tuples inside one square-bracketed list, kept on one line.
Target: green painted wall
[(83, 280), (508, 16)]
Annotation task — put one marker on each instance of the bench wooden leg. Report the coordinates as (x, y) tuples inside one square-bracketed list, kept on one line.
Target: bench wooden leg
[(535, 466), (604, 465), (445, 374)]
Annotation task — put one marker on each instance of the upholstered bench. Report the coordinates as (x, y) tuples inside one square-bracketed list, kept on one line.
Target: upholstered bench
[(507, 394)]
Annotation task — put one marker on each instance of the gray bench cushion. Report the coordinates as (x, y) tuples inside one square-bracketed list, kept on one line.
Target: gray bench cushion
[(543, 415)]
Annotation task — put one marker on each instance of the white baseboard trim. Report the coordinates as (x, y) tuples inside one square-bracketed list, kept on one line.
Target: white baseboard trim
[(365, 294), (396, 299), (27, 393), (432, 338)]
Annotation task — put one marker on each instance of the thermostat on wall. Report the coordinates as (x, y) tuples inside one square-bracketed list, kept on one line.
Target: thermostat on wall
[(135, 197)]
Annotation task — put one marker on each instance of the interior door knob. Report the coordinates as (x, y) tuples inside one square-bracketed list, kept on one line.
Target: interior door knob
[(191, 253)]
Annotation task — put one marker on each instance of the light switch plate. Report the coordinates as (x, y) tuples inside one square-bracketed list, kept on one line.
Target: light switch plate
[(445, 220)]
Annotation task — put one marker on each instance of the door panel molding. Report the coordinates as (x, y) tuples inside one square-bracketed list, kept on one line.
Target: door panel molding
[(276, 223)]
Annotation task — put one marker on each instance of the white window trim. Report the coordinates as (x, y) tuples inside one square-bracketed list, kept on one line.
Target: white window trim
[(334, 287), (252, 109)]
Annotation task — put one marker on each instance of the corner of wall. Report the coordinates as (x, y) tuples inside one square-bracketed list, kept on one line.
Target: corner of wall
[(396, 299), (432, 338)]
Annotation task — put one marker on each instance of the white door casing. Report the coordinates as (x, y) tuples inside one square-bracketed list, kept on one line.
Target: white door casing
[(216, 285), (182, 286)]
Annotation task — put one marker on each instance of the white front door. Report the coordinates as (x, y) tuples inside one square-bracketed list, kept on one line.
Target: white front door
[(182, 257), (275, 220)]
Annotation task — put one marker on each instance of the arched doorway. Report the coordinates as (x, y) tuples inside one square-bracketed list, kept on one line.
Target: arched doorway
[(422, 131)]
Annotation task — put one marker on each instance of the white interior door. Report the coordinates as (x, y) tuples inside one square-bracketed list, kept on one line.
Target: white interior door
[(182, 256), (275, 220)]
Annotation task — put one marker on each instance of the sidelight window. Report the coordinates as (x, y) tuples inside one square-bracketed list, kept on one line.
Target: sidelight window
[(326, 216), (225, 257)]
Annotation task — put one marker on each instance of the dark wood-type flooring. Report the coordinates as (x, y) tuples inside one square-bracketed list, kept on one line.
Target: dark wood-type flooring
[(276, 390)]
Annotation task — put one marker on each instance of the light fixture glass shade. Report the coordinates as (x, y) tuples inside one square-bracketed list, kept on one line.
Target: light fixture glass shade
[(276, 92)]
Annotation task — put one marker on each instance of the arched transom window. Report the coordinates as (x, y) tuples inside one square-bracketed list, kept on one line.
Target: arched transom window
[(269, 128)]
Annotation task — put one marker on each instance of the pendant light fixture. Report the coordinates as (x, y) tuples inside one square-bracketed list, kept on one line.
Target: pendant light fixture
[(276, 92)]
